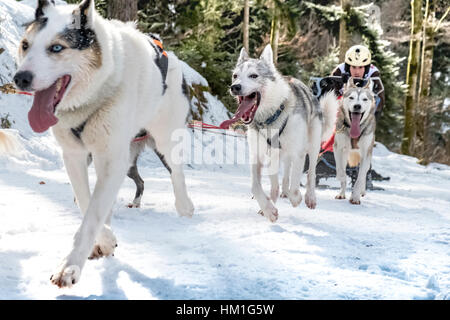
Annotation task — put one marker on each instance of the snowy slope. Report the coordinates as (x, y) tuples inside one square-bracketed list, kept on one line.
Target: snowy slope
[(395, 245)]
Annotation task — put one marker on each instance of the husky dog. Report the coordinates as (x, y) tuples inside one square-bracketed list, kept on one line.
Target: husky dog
[(98, 83), (282, 115), (355, 136)]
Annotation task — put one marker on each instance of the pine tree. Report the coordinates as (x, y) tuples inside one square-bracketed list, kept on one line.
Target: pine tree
[(411, 77)]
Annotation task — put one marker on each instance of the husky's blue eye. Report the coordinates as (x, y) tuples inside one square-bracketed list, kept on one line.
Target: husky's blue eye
[(56, 48), (254, 76)]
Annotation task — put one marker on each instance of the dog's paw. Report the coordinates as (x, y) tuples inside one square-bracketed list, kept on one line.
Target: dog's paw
[(284, 194), (295, 197), (67, 277), (353, 201), (185, 208), (132, 205), (274, 192), (310, 200), (105, 244), (340, 196), (270, 212)]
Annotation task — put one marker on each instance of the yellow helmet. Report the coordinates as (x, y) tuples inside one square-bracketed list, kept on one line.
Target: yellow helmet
[(358, 56)]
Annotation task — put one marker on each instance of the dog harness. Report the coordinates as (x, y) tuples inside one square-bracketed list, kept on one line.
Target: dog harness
[(271, 120), (161, 59), (162, 62)]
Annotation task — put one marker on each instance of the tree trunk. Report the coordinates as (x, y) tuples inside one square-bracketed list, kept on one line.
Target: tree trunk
[(125, 10), (411, 77), (275, 33), (344, 41), (426, 64), (245, 25)]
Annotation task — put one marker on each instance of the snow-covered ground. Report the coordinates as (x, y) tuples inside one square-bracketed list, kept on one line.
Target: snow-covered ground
[(395, 245)]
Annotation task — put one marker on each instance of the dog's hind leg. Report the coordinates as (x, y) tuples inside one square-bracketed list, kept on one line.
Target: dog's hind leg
[(134, 175), (164, 147), (274, 187)]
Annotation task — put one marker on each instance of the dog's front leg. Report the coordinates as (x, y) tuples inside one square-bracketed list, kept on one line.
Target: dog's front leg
[(267, 208), (111, 168), (76, 167), (298, 163), (366, 145), (341, 149), (286, 173)]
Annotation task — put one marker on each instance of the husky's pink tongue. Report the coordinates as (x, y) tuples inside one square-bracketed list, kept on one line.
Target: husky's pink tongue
[(246, 104), (355, 130), (41, 116)]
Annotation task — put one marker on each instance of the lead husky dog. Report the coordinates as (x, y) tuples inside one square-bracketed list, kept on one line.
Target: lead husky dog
[(98, 83), (282, 115), (355, 136)]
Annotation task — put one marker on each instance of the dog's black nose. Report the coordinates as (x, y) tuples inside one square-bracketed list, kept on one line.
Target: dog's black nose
[(236, 88), (23, 80), (357, 107)]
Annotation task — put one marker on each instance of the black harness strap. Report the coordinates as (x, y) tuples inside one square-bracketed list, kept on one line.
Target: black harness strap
[(269, 140), (161, 60), (78, 130)]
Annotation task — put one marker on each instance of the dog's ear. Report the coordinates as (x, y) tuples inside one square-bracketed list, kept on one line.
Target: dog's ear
[(41, 7), (267, 55), (350, 84), (369, 85), (84, 14), (243, 56)]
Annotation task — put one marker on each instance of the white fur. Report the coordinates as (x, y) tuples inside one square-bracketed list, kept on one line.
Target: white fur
[(121, 97)]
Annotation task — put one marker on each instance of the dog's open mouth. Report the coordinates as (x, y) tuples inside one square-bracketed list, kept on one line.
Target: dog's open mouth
[(42, 113), (355, 128), (248, 105)]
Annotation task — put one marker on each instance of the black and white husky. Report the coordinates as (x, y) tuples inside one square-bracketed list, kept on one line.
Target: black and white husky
[(285, 122), (98, 84)]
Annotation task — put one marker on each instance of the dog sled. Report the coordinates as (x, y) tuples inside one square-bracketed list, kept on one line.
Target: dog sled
[(326, 166)]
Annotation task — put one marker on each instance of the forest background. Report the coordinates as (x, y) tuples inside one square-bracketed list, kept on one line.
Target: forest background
[(409, 41)]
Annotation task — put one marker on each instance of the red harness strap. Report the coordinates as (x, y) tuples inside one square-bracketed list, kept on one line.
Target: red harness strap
[(137, 139)]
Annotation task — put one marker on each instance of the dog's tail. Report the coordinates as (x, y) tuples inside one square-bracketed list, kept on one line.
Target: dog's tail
[(329, 106), (8, 143)]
